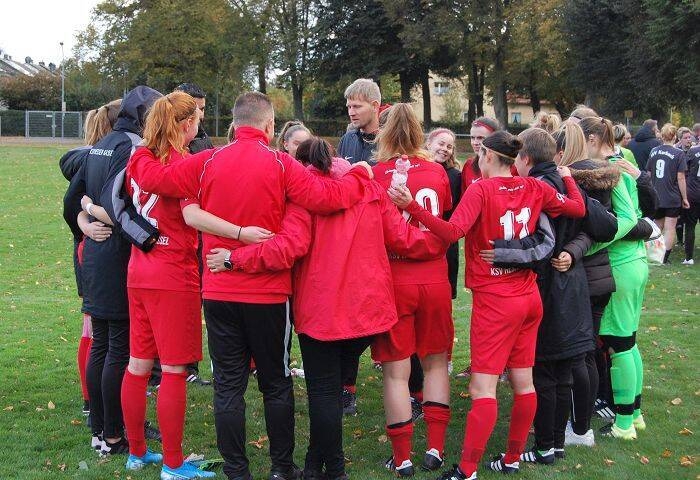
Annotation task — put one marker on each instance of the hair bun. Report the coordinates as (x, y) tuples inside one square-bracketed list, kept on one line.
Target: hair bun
[(515, 143)]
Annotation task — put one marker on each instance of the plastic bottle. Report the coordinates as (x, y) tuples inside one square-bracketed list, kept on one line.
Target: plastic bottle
[(400, 175)]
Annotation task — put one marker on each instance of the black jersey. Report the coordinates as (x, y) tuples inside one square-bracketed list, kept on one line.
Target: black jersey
[(664, 164)]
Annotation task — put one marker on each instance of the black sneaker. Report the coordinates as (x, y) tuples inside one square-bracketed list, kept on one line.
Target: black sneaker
[(119, 448), (197, 380), (313, 475), (432, 460), (499, 465), (86, 407), (349, 403), (294, 473), (455, 474), (545, 457), (416, 410), (150, 432), (559, 453), (603, 410), (404, 470)]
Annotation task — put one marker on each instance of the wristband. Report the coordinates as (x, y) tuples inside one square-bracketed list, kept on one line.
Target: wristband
[(240, 229), (88, 208)]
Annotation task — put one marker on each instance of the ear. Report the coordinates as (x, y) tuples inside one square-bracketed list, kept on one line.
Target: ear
[(375, 105)]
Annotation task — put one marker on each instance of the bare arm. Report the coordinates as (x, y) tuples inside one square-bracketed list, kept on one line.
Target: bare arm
[(95, 210), (97, 231), (206, 222), (683, 188)]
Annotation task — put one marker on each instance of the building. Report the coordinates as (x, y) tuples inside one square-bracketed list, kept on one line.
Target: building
[(11, 68), (448, 97)]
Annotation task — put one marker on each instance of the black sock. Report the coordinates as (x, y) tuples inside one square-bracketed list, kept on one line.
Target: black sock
[(666, 255)]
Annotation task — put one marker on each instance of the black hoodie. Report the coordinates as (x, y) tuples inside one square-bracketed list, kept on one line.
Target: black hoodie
[(642, 143), (101, 177)]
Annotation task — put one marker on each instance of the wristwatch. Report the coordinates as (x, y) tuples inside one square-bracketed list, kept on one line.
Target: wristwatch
[(227, 262)]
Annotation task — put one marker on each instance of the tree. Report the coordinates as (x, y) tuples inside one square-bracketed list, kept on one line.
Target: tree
[(40, 92)]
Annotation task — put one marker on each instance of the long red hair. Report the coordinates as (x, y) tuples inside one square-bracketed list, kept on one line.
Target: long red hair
[(162, 130)]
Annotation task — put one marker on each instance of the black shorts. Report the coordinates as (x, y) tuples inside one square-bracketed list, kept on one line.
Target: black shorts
[(673, 212)]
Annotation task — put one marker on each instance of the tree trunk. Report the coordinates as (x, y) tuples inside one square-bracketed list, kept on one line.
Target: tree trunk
[(427, 111), (500, 101), (535, 101), (405, 87), (298, 97), (480, 93), (262, 81)]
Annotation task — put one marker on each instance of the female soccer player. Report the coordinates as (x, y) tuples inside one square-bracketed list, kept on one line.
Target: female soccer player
[(423, 302), (507, 307), (481, 128), (667, 165), (618, 326), (292, 135)]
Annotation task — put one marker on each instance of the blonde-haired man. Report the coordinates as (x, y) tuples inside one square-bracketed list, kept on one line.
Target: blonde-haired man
[(363, 99)]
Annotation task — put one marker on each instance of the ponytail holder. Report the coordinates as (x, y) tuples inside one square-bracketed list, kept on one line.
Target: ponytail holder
[(477, 123)]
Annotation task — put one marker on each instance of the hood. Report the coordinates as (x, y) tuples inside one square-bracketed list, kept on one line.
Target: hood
[(646, 133), (339, 167), (595, 174), (135, 105)]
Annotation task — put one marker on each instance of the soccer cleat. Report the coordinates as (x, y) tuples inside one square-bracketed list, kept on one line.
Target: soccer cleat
[(585, 440), (503, 378), (294, 473), (432, 460), (197, 380), (688, 261), (86, 407), (559, 453), (96, 442), (186, 471), (313, 475), (456, 474), (137, 463), (466, 373), (603, 410), (614, 431), (118, 448), (349, 403), (150, 432), (545, 457), (498, 465), (416, 410), (378, 366), (404, 470), (639, 423)]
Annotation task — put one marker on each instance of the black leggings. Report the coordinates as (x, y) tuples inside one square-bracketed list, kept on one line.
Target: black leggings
[(109, 357), (323, 367), (552, 381), (691, 219)]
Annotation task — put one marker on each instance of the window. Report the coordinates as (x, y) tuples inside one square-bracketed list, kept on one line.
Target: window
[(441, 88), (517, 118)]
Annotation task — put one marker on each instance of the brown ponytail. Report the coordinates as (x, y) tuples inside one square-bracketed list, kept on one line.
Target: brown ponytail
[(162, 130), (601, 128), (99, 122), (317, 152), (505, 145)]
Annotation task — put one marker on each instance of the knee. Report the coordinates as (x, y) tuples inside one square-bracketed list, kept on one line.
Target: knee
[(171, 368)]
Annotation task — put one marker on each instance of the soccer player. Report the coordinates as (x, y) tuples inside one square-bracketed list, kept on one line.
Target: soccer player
[(292, 135), (620, 321), (667, 166), (693, 214), (363, 99), (201, 141), (507, 307), (423, 302), (247, 314), (481, 128)]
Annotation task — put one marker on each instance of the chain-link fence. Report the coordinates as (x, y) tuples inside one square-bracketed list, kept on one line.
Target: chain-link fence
[(49, 124)]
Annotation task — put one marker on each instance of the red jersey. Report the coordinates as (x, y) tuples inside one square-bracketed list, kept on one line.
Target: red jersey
[(469, 176), (430, 186), (172, 263), (248, 183), (501, 208)]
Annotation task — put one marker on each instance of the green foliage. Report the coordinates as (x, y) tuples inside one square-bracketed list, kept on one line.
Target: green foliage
[(41, 92), (453, 104)]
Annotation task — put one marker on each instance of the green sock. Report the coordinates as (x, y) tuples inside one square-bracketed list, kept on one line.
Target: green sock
[(624, 381), (639, 367)]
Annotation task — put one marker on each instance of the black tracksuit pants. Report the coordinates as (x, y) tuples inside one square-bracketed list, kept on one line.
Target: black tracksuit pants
[(235, 331), (323, 368)]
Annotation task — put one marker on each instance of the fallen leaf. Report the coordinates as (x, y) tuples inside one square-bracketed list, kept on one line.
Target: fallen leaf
[(9, 408), (676, 401), (357, 433), (653, 328), (63, 338), (686, 431), (644, 460), (464, 395), (686, 461), (382, 439), (62, 467), (39, 409), (51, 405), (76, 422), (666, 453), (609, 462), (578, 466)]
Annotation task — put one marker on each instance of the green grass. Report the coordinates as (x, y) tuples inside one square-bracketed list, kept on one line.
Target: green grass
[(41, 323)]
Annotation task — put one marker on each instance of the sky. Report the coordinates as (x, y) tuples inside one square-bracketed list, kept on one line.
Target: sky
[(34, 28)]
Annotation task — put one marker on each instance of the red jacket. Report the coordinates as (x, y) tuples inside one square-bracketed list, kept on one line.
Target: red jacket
[(248, 183), (343, 287)]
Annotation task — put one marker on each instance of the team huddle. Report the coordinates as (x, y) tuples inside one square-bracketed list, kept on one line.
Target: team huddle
[(359, 248)]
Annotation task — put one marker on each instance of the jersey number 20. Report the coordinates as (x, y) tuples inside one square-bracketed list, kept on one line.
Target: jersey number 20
[(145, 209), (428, 199)]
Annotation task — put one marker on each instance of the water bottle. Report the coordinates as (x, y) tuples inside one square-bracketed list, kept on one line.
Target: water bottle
[(400, 175)]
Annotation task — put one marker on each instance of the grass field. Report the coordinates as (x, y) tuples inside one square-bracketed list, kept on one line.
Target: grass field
[(43, 436)]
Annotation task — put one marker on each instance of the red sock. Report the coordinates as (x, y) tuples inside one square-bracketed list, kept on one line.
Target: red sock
[(418, 396), (350, 388), (400, 435), (172, 402), (134, 409), (480, 422), (83, 356), (522, 414), (437, 417)]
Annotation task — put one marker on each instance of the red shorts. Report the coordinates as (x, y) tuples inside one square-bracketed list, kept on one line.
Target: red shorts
[(503, 331), (425, 325), (165, 324)]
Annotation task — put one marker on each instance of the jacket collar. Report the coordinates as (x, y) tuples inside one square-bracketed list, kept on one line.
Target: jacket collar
[(251, 133), (542, 169)]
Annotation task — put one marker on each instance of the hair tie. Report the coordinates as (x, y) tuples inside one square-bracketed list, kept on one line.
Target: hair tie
[(496, 152), (477, 123)]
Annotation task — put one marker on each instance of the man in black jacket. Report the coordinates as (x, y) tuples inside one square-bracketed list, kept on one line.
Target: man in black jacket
[(105, 265), (363, 99), (644, 141)]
